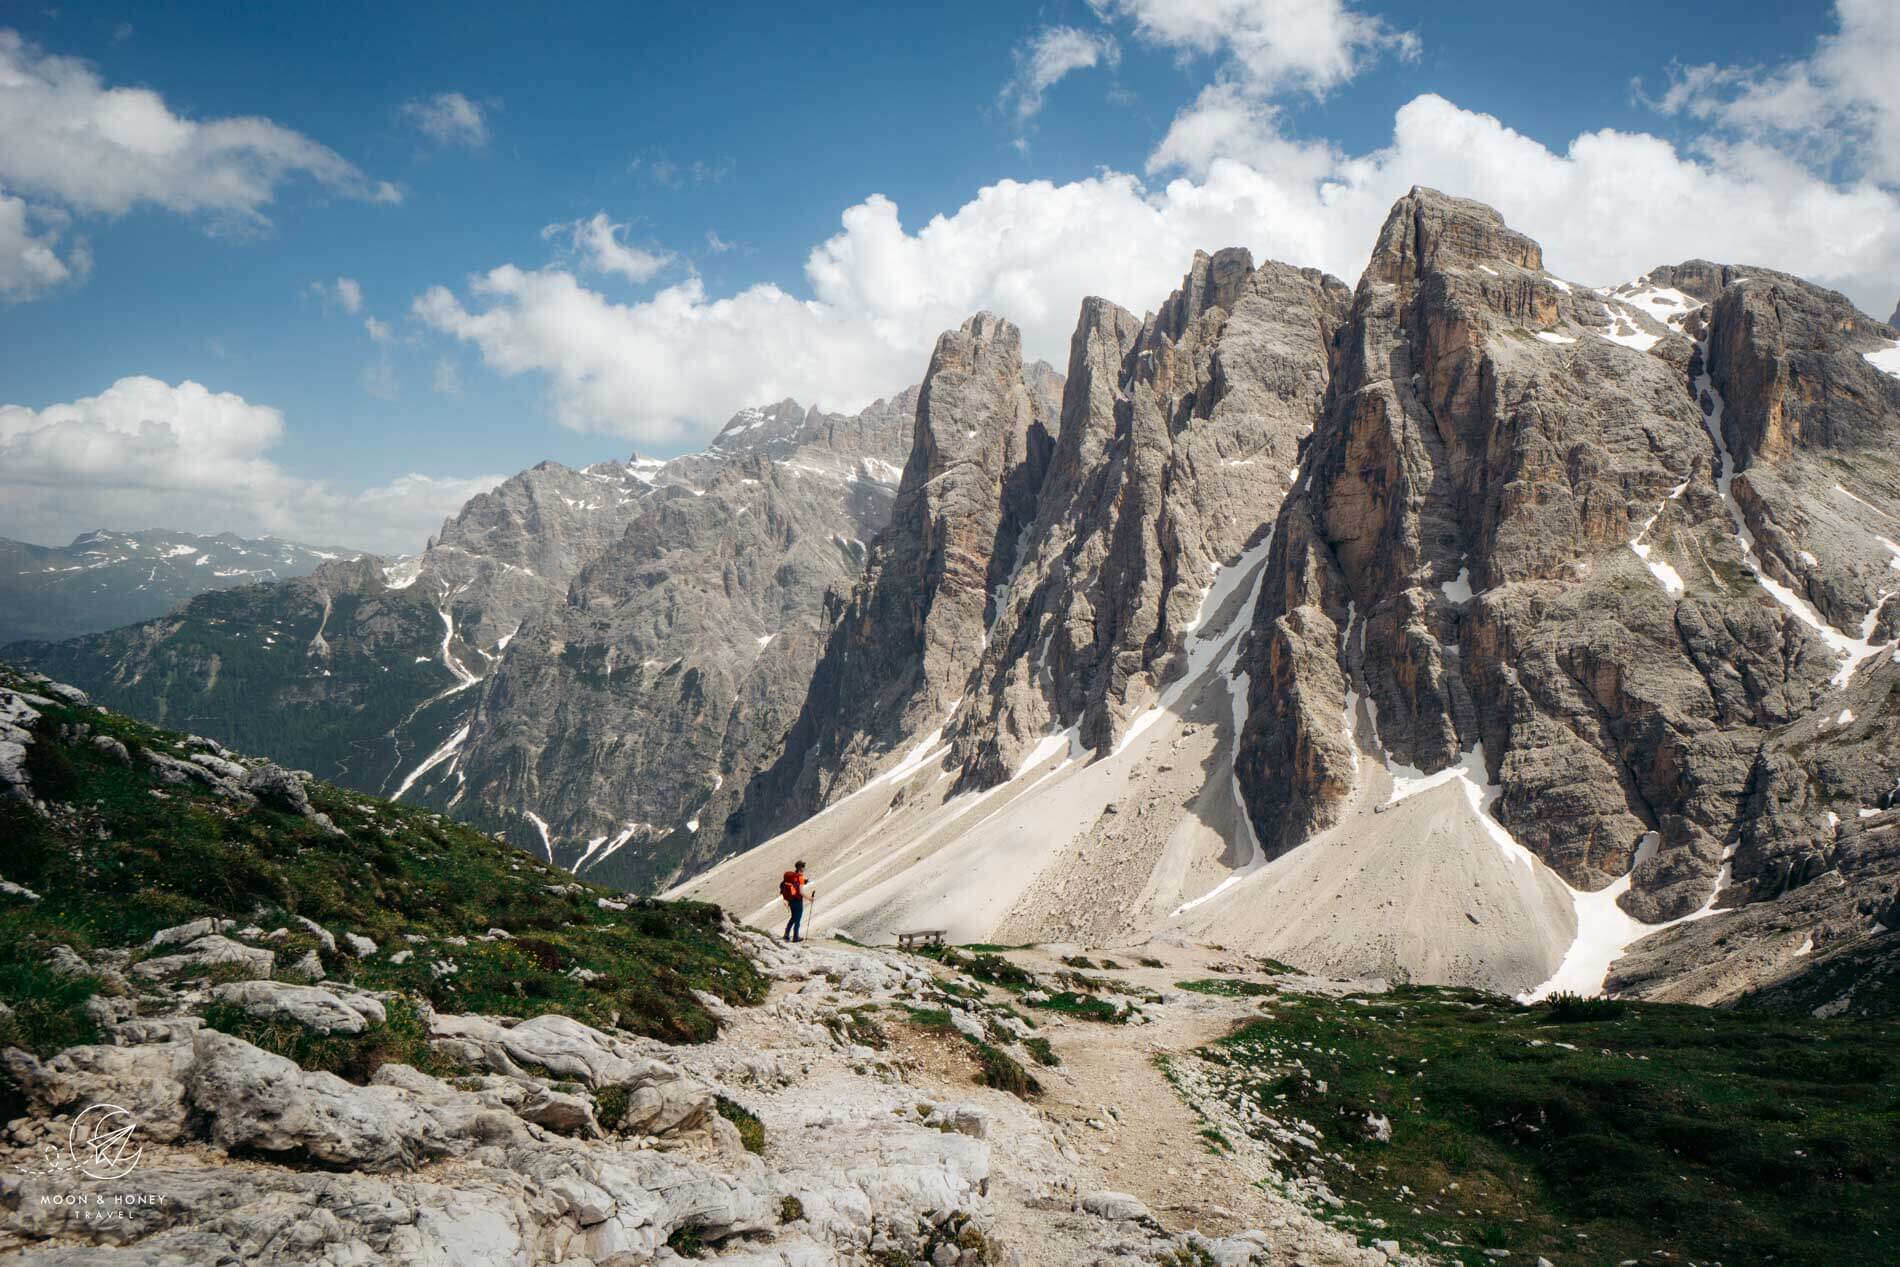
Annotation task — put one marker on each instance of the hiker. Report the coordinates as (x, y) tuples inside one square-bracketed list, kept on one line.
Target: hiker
[(792, 889)]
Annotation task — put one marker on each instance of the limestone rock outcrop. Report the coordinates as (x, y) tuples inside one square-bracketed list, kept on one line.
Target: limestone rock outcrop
[(1620, 553)]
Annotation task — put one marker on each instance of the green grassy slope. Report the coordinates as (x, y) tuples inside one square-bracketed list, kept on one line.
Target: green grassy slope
[(122, 856), (1586, 1134)]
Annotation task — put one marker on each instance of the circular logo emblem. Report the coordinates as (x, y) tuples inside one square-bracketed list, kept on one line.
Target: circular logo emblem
[(101, 1143)]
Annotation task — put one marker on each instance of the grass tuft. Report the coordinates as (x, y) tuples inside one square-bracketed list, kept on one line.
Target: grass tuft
[(751, 1129)]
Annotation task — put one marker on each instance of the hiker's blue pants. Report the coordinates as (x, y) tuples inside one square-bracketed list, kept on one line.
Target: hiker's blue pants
[(792, 931)]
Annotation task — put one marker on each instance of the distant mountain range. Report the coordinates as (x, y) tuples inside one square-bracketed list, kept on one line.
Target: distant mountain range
[(107, 579), (583, 660)]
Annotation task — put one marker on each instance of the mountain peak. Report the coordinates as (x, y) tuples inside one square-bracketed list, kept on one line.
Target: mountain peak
[(1427, 230)]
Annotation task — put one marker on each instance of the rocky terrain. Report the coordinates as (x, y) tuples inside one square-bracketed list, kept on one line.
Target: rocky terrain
[(628, 716), (1470, 626), (374, 1034), (336, 1029), (106, 579)]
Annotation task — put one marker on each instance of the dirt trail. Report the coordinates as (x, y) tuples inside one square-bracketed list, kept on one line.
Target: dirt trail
[(1123, 1127), (1107, 1122)]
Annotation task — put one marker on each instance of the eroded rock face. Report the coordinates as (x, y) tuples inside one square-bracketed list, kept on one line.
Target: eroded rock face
[(146, 1080), (660, 1098), (211, 951), (1179, 436), (902, 646), (1514, 527), (630, 716), (1045, 565)]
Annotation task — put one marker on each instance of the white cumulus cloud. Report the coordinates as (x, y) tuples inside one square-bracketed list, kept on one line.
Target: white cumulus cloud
[(1842, 102), (72, 145), (31, 262), (597, 240), (68, 138), (667, 371), (1268, 46), (449, 118), (1052, 54), (146, 453)]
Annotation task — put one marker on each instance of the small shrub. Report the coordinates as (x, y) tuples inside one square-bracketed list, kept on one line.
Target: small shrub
[(790, 1210), (1086, 1007), (751, 1129), (610, 1107), (1001, 1070), (48, 1007), (1566, 1007), (402, 1039), (1040, 1049), (990, 968), (1226, 988), (48, 767), (858, 1025)]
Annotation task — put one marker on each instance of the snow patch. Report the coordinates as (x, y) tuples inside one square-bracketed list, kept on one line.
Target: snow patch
[(1237, 687), (1851, 650), (1886, 360), (1205, 648), (541, 825), (1670, 578), (401, 574), (450, 746), (1067, 741), (626, 834), (463, 678)]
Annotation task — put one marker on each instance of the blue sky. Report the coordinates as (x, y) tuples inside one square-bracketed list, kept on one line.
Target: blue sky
[(416, 150)]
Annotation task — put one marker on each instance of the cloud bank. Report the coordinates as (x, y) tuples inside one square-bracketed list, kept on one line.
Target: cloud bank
[(146, 453), (72, 145), (670, 369)]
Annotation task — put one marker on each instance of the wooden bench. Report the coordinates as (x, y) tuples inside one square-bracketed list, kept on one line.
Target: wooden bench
[(925, 936)]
